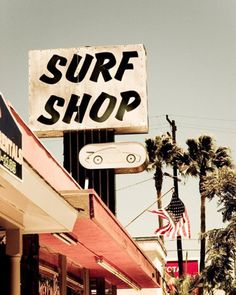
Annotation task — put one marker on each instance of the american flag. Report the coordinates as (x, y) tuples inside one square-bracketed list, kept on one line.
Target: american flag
[(176, 217)]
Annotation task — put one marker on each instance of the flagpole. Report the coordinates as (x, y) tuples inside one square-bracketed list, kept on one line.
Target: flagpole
[(148, 207), (179, 239)]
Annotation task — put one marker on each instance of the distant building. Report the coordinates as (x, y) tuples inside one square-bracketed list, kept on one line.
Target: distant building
[(154, 248)]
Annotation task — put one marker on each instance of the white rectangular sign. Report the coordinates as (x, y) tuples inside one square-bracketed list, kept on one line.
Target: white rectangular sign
[(84, 88)]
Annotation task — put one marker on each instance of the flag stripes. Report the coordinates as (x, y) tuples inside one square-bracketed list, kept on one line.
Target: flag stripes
[(176, 217)]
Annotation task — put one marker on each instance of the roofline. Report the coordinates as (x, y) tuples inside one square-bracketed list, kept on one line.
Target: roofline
[(31, 142)]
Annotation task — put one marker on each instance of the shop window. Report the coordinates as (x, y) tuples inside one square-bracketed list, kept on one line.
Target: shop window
[(48, 284)]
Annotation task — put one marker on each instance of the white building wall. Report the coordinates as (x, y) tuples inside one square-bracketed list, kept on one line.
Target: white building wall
[(155, 251)]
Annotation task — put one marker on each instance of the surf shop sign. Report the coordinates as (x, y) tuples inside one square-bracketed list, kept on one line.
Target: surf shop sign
[(88, 88)]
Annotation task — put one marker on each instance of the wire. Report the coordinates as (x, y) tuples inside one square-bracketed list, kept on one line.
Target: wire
[(194, 126), (134, 184), (204, 118), (148, 207), (140, 182), (211, 128), (195, 117), (200, 127)]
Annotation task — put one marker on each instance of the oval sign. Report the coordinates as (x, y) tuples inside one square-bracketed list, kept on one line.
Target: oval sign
[(124, 157)]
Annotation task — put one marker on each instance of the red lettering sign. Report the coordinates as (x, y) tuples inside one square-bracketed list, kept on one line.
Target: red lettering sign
[(190, 267)]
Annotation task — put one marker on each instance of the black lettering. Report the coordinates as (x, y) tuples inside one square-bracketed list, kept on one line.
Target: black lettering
[(124, 64), (102, 67), (78, 109), (83, 107), (71, 108), (70, 74), (125, 106), (49, 107), (97, 105), (51, 66)]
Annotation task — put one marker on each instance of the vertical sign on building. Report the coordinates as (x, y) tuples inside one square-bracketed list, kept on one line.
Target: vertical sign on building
[(11, 158)]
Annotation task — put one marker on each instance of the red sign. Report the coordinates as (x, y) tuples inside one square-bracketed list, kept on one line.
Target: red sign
[(190, 267)]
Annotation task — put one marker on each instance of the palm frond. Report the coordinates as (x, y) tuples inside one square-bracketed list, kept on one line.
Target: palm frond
[(206, 143), (192, 170), (151, 149), (222, 157), (222, 184), (193, 149), (217, 274)]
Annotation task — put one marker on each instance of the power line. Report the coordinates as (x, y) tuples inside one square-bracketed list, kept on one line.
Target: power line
[(205, 118), (191, 124), (201, 127), (134, 184), (214, 128), (196, 117), (140, 182)]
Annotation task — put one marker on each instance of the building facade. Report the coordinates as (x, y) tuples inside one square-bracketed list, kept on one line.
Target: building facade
[(57, 238)]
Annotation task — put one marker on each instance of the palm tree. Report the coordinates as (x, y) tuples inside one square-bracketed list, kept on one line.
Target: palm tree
[(218, 273), (222, 185), (185, 285), (221, 253), (201, 159), (161, 151)]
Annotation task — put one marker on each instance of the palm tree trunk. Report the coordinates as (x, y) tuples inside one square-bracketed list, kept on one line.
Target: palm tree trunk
[(159, 206), (203, 225), (203, 230), (158, 177), (235, 264)]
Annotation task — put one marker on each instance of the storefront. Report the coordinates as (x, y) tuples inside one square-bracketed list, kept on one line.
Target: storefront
[(78, 245)]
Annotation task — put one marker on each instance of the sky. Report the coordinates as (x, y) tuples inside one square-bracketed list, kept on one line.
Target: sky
[(191, 73)]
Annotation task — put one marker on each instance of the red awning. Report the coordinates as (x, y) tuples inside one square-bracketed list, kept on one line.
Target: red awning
[(101, 236)]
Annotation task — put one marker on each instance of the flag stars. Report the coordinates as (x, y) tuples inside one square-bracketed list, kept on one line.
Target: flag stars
[(176, 217)]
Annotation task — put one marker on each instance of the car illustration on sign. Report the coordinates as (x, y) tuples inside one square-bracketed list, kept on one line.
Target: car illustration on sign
[(121, 156), (106, 154)]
